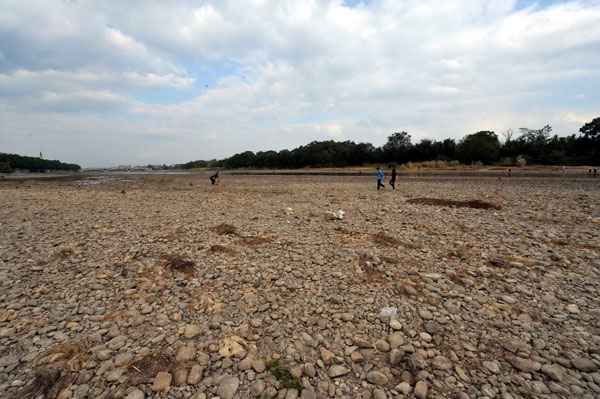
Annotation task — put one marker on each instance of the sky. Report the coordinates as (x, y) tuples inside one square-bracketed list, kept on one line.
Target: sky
[(105, 83)]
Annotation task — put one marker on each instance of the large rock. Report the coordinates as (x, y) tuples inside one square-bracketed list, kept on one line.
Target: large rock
[(421, 390), (584, 364), (553, 371), (228, 387)]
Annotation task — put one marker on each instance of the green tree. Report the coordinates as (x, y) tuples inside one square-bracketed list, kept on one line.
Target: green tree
[(591, 130), (397, 147), (482, 146)]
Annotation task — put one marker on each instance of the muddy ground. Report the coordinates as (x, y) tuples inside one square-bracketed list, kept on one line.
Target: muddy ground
[(167, 287)]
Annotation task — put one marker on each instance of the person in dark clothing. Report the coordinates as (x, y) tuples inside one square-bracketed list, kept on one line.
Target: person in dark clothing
[(393, 179), (215, 178)]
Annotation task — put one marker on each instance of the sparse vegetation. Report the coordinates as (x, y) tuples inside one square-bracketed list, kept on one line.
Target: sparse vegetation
[(283, 375)]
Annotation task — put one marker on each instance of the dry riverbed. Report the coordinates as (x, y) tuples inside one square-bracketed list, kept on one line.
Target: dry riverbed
[(168, 287)]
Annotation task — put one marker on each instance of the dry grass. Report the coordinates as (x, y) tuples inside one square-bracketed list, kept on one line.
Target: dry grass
[(225, 229), (141, 369), (385, 240), (478, 204), (63, 254), (176, 263), (214, 249), (56, 370)]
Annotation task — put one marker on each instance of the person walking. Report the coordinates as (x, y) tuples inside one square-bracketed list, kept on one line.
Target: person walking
[(215, 178), (393, 178), (379, 178)]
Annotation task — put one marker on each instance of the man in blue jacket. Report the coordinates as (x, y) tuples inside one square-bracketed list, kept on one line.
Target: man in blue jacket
[(379, 177)]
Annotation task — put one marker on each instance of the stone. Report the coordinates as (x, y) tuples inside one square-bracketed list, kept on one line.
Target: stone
[(257, 388), (162, 382), (192, 330), (492, 367), (259, 365), (135, 394), (308, 394), (377, 378), (404, 387), (553, 371), (584, 364), (228, 387), (572, 308), (441, 363), (416, 362), (185, 353), (396, 356), (526, 365), (337, 370), (195, 375), (180, 377), (420, 390), (395, 325)]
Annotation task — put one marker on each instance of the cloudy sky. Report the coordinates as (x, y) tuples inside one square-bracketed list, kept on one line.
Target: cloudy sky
[(102, 83)]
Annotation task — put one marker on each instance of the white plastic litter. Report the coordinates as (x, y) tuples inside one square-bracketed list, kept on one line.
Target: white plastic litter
[(391, 311), (335, 215)]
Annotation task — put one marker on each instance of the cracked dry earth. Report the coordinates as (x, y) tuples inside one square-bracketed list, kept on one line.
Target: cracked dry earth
[(163, 286)]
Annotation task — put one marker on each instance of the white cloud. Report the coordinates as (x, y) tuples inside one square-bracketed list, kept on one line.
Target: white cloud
[(210, 79)]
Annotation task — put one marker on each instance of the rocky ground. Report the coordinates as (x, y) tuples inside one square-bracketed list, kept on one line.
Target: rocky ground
[(167, 287)]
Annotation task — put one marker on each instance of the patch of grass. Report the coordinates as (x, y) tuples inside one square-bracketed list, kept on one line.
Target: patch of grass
[(282, 373), (217, 248), (177, 264), (479, 204), (55, 371), (225, 229), (144, 368)]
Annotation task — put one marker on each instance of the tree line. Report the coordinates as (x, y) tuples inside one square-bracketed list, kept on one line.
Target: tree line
[(11, 162), (528, 146)]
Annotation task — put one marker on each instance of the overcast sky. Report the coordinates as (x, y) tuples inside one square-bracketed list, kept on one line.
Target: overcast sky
[(102, 83)]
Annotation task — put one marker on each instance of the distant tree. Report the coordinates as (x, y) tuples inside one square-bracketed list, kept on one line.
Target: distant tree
[(482, 146), (508, 134), (591, 141), (591, 130), (397, 147), (533, 144)]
